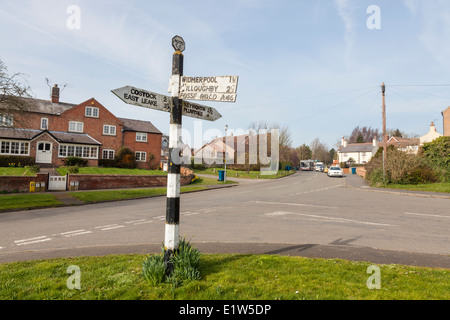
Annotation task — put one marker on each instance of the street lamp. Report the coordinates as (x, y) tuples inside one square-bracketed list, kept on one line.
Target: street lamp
[(225, 175)]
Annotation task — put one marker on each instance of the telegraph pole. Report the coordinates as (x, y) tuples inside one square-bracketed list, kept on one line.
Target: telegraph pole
[(172, 228), (383, 92)]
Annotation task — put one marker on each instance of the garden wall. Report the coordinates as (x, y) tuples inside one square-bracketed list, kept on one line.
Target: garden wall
[(21, 183), (115, 181)]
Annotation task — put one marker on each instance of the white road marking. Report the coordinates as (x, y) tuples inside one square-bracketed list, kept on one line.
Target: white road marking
[(330, 219), (135, 221), (426, 215), (74, 233), (143, 222), (32, 240), (109, 227), (317, 190), (293, 204)]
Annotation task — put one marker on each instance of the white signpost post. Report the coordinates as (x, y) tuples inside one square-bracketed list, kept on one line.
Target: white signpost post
[(181, 87)]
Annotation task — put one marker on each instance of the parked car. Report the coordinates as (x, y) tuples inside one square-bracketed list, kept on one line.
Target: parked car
[(335, 172)]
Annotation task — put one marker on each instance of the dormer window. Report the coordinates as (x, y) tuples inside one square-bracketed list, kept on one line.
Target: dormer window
[(6, 120), (91, 112)]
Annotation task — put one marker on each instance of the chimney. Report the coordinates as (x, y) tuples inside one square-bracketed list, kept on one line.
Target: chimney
[(344, 142), (55, 94), (374, 142), (432, 127)]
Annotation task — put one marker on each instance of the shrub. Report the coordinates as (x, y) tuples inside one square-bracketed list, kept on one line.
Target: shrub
[(125, 158), (437, 156), (401, 168), (73, 169), (33, 169), (5, 161), (106, 163), (76, 161)]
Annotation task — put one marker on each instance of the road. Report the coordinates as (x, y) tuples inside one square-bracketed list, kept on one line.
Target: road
[(308, 212)]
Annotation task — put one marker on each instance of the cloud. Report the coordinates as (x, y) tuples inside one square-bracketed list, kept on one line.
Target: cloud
[(345, 10)]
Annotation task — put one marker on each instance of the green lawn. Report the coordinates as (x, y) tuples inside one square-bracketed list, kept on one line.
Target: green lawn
[(430, 187), (112, 195), (224, 277), (243, 174), (15, 171), (99, 170), (24, 201)]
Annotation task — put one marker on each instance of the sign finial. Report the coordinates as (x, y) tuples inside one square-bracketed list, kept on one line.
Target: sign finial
[(178, 43)]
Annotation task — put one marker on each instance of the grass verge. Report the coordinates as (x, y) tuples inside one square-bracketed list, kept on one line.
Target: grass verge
[(223, 277), (26, 201), (110, 195), (429, 187)]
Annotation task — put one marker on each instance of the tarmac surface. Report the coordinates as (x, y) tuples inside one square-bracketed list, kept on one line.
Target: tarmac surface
[(310, 250)]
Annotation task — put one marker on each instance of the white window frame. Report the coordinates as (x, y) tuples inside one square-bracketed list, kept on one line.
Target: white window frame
[(109, 153), (91, 112), (139, 154), (77, 150), (44, 120), (22, 147), (6, 120), (107, 130), (76, 125), (141, 137)]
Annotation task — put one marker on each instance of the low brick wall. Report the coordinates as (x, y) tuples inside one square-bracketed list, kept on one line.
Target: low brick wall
[(21, 183), (361, 171), (114, 181)]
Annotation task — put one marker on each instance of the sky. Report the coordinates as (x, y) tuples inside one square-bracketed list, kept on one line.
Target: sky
[(315, 67)]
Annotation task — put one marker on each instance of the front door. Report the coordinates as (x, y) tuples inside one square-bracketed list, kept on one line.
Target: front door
[(44, 152)]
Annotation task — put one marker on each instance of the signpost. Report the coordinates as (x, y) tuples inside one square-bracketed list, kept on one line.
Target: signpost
[(221, 89), (147, 99), (181, 87)]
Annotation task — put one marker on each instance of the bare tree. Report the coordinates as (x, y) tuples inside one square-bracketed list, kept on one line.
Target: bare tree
[(363, 135), (13, 88), (319, 150)]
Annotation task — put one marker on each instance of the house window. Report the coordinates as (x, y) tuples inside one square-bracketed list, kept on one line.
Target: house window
[(109, 130), (44, 123), (108, 154), (141, 156), (14, 147), (6, 120), (164, 143), (86, 152), (91, 112), (141, 136), (75, 126)]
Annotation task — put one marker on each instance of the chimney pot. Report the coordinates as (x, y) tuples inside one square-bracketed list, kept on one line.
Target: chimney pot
[(55, 94)]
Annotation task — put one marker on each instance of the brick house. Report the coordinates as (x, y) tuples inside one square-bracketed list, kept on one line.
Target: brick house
[(51, 131)]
